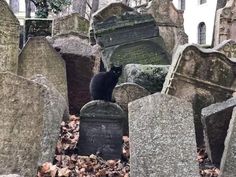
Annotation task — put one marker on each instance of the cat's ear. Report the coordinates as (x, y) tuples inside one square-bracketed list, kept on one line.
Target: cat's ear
[(121, 66)]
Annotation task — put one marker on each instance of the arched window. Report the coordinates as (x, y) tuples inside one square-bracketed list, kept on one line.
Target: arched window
[(202, 1), (182, 4), (202, 33)]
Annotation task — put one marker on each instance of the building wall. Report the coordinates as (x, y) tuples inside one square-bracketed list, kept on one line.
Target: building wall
[(194, 14)]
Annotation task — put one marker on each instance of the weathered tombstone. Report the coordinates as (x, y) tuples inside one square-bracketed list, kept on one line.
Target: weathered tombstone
[(127, 36), (11, 175), (9, 39), (202, 77), (39, 57), (101, 129), (215, 119), (170, 22), (228, 161), (30, 125), (82, 62), (225, 23), (125, 93), (162, 140), (228, 48), (37, 27), (73, 24), (151, 77)]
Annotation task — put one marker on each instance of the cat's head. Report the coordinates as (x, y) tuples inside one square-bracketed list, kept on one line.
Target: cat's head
[(116, 70)]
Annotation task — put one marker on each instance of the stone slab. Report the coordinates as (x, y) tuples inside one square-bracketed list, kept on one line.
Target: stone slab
[(9, 39), (39, 57), (162, 139), (101, 130), (125, 93), (215, 120), (81, 65), (151, 77), (202, 77), (227, 47), (30, 125), (227, 166)]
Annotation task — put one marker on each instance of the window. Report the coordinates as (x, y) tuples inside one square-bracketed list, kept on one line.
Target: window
[(182, 4), (202, 1), (202, 33)]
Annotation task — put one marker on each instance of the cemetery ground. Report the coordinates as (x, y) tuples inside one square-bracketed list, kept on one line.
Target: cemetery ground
[(68, 164)]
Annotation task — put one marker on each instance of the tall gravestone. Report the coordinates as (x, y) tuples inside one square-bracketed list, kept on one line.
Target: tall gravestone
[(202, 77), (82, 62), (215, 119), (170, 22), (162, 140), (101, 129), (39, 57), (127, 36), (225, 23), (227, 166), (9, 39), (126, 93), (30, 124)]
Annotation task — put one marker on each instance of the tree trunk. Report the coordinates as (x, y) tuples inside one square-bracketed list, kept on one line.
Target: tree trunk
[(27, 9)]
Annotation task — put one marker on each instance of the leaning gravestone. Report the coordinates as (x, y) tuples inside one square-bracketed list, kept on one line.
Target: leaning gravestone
[(162, 140), (9, 39), (101, 129), (30, 124), (81, 65), (39, 57), (127, 36), (227, 165), (202, 77), (215, 119), (151, 77), (125, 93), (227, 47)]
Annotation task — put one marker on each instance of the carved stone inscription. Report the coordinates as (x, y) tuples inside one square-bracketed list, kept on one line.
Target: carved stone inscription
[(9, 39), (101, 130)]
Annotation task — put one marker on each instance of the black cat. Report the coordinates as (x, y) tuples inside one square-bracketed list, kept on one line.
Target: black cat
[(103, 83)]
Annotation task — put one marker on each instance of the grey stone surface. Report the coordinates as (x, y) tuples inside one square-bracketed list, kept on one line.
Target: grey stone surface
[(162, 140), (82, 62), (9, 39), (127, 36), (101, 129), (39, 57), (151, 77), (227, 166), (227, 47), (29, 123), (72, 23), (54, 95), (202, 77), (125, 93), (215, 119)]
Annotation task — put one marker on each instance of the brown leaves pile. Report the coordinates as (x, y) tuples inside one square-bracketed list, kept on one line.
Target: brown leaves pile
[(206, 167), (68, 164)]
